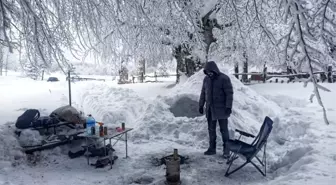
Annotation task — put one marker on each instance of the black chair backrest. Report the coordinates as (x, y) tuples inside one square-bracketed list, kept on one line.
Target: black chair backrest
[(263, 134)]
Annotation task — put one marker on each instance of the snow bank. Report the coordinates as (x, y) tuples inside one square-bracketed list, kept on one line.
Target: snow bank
[(300, 147), (110, 104), (173, 116), (30, 138), (159, 122), (10, 150)]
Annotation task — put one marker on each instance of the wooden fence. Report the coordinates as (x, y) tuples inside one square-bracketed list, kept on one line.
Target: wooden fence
[(255, 76), (263, 77), (77, 78), (141, 78)]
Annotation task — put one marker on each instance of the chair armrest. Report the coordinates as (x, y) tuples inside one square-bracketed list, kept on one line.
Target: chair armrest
[(244, 133)]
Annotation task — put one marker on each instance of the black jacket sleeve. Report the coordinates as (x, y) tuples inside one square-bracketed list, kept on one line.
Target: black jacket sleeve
[(202, 96), (228, 90)]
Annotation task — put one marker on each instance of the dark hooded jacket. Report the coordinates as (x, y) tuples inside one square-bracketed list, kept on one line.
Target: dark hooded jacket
[(217, 93)]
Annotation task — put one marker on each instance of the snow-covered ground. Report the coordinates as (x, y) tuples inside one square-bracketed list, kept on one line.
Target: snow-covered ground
[(301, 148)]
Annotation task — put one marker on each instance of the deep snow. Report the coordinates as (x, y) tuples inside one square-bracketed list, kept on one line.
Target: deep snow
[(300, 149)]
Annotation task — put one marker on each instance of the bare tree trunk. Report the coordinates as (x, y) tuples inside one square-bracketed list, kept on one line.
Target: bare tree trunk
[(179, 62), (144, 66), (1, 61), (245, 67), (265, 73)]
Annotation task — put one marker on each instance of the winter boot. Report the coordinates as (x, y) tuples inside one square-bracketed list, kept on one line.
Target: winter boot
[(212, 143), (226, 151), (210, 151)]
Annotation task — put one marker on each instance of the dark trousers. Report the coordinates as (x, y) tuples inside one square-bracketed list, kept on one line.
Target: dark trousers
[(223, 125)]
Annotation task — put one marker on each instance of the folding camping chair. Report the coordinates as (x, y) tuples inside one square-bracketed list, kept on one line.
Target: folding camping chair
[(250, 151)]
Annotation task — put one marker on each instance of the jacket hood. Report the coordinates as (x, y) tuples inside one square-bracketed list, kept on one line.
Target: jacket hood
[(211, 66)]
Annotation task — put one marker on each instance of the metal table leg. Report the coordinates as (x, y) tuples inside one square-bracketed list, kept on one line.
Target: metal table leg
[(126, 143), (87, 151), (105, 147)]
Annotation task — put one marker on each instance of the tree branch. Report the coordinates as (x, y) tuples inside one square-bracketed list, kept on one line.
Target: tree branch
[(4, 25)]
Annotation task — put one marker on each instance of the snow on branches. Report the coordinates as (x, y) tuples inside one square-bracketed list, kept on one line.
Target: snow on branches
[(311, 25)]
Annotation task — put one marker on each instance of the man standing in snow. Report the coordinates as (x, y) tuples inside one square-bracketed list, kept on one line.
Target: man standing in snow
[(217, 93)]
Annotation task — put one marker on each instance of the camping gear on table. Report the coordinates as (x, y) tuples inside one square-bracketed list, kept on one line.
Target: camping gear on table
[(27, 119), (90, 125), (105, 131), (93, 130), (250, 151), (31, 119), (67, 113), (52, 142), (101, 130), (62, 116), (119, 129), (112, 134)]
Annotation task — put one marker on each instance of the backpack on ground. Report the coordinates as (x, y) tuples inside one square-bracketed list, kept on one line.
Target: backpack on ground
[(27, 119)]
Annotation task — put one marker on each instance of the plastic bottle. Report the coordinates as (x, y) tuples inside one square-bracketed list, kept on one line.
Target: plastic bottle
[(101, 130), (97, 129), (90, 122)]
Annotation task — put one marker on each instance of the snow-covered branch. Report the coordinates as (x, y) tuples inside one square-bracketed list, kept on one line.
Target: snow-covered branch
[(301, 44)]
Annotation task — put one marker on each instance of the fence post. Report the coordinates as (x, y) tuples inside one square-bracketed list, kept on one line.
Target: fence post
[(142, 77), (265, 73), (245, 70), (329, 74), (323, 77), (69, 82), (177, 77), (236, 69)]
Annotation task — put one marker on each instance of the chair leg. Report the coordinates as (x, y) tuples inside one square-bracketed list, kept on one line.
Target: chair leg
[(230, 161), (229, 173), (264, 174), (265, 157), (260, 160), (232, 157), (265, 166)]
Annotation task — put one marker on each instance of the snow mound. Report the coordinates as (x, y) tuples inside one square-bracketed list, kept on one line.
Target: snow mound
[(110, 105), (10, 150), (30, 138), (168, 117), (173, 116), (293, 160)]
